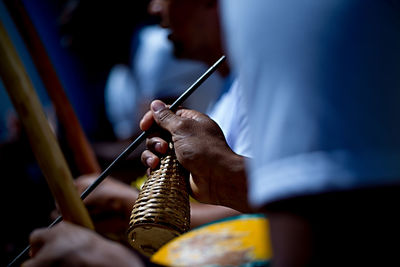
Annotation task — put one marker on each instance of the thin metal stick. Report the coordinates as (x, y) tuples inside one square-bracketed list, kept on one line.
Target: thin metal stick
[(134, 145)]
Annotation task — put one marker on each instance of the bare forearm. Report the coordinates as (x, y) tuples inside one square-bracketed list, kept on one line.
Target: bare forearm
[(204, 213), (231, 189)]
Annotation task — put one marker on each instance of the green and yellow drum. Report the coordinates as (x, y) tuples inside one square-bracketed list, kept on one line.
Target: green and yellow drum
[(237, 241)]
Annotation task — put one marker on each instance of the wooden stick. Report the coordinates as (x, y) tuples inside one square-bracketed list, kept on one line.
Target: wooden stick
[(42, 139), (82, 151)]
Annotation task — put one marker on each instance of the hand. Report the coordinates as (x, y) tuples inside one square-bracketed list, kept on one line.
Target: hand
[(110, 205), (67, 244), (217, 173)]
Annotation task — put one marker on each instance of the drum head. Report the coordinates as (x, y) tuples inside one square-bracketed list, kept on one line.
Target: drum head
[(236, 241)]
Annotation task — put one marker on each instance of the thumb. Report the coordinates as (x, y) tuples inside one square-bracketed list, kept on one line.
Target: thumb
[(164, 117)]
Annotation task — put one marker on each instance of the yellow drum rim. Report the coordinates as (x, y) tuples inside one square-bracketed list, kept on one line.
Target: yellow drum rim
[(247, 233)]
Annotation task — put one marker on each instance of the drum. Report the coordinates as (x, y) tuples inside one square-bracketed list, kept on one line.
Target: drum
[(236, 241)]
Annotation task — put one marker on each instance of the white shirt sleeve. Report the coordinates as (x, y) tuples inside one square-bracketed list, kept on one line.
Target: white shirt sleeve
[(321, 84)]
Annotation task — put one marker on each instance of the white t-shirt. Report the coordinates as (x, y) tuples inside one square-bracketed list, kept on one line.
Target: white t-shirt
[(229, 113), (321, 81)]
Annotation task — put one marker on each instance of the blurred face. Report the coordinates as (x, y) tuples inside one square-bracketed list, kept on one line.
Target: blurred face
[(193, 24)]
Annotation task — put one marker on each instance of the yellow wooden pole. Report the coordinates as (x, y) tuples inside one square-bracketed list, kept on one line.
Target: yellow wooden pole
[(43, 141)]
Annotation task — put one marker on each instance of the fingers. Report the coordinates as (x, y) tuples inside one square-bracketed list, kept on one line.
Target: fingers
[(180, 125), (37, 262), (43, 248), (164, 117), (149, 159), (146, 121), (157, 145), (160, 112), (37, 239), (54, 214), (82, 182)]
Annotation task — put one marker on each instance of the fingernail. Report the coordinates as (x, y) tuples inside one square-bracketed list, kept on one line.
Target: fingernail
[(149, 162), (157, 105), (158, 147)]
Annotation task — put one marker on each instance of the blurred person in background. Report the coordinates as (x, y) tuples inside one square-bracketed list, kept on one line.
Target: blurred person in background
[(129, 60)]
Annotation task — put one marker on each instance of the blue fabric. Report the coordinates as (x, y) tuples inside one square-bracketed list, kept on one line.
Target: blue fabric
[(6, 106), (322, 86)]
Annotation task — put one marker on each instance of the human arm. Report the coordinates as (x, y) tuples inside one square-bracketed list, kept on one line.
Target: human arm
[(204, 213), (218, 174)]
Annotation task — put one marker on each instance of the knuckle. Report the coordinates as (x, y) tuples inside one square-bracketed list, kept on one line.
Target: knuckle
[(144, 156), (184, 125), (149, 141), (180, 124), (164, 115)]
